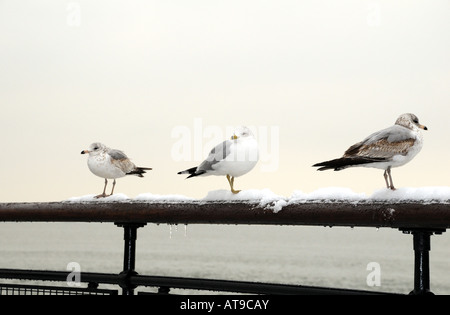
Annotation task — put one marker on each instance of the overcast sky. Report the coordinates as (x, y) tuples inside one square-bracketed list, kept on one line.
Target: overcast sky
[(310, 78)]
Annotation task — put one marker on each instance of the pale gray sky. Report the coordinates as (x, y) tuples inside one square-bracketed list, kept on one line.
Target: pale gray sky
[(324, 74)]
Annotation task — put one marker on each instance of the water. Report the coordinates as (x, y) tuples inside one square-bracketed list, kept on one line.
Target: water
[(318, 256)]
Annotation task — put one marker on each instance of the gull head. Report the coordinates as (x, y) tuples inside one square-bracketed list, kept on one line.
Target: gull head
[(94, 148), (410, 121), (242, 132)]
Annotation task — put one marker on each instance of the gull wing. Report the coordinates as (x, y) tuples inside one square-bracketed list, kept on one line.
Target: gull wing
[(217, 154), (384, 144), (121, 161)]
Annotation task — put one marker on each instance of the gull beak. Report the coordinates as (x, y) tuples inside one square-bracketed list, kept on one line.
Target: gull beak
[(423, 127), (84, 152), (234, 137)]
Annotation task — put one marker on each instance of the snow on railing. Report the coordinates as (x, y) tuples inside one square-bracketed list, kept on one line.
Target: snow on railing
[(427, 207)]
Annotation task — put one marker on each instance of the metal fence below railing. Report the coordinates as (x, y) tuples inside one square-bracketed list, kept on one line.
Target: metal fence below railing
[(161, 285), (23, 289), (421, 219)]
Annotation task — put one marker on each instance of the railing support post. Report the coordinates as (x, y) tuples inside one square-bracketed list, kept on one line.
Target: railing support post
[(422, 247), (129, 256)]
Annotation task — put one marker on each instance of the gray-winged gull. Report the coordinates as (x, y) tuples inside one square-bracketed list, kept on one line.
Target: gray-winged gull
[(231, 158), (110, 164), (391, 147)]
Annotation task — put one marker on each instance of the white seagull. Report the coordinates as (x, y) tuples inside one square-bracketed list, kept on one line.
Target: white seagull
[(391, 147), (110, 164), (231, 158)]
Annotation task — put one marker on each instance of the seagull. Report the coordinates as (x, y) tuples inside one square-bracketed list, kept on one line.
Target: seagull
[(391, 147), (110, 164), (231, 158)]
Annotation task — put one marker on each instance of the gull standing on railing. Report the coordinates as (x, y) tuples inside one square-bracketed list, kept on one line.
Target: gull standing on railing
[(232, 158), (110, 164), (391, 147)]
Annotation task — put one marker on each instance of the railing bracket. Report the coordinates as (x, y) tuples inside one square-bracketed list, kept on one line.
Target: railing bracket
[(422, 247), (129, 257)]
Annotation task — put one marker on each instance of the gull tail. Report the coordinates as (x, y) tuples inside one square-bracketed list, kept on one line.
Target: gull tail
[(192, 172), (344, 162), (139, 171)]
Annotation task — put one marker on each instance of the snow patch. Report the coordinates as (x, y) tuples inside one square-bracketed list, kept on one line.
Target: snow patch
[(427, 194), (265, 198), (244, 195), (91, 198), (275, 206), (327, 194), (153, 197)]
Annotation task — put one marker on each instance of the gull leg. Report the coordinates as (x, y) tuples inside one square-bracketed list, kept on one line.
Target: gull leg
[(390, 178), (386, 179), (232, 185), (104, 191), (231, 181), (114, 185)]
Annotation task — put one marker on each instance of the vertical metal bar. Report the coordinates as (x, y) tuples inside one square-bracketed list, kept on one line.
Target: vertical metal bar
[(422, 248), (129, 256)]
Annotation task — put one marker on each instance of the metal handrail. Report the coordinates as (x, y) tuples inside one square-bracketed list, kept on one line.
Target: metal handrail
[(404, 214)]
